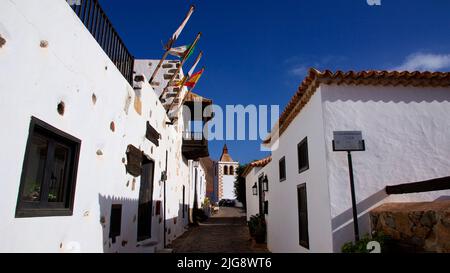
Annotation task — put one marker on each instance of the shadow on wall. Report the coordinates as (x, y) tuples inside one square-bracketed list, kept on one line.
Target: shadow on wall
[(120, 232), (342, 224), (176, 226), (407, 95), (123, 223)]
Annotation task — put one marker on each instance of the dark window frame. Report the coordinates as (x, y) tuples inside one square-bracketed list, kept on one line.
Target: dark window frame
[(145, 202), (115, 231), (283, 159), (261, 194), (183, 205), (303, 166), (303, 214), (225, 170), (26, 209), (266, 207)]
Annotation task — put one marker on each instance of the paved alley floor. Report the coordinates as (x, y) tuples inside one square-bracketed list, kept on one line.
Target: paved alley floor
[(225, 232)]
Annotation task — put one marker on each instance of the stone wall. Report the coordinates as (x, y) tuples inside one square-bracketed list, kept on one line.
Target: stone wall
[(422, 227)]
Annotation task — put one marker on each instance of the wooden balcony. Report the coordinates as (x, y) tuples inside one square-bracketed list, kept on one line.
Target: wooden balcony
[(195, 145)]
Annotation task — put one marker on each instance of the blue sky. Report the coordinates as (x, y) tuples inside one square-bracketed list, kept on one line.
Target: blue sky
[(258, 52)]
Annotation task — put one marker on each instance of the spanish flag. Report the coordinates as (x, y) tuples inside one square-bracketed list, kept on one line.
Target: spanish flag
[(192, 81)]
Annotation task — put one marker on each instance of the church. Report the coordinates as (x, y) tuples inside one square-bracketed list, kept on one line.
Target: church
[(225, 175)]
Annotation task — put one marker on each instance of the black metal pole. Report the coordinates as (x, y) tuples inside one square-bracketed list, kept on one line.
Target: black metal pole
[(352, 187), (165, 181)]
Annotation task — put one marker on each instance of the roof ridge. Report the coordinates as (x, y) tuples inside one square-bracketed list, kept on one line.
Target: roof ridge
[(351, 77)]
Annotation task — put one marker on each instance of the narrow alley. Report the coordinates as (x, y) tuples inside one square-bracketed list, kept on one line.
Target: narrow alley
[(225, 232)]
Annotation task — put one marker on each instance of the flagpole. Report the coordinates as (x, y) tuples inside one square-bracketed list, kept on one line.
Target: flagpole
[(181, 64), (158, 67), (197, 60), (171, 42), (185, 95)]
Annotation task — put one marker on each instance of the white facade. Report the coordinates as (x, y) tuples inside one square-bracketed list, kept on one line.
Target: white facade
[(252, 201), (227, 180), (283, 224), (226, 175), (73, 69), (406, 133)]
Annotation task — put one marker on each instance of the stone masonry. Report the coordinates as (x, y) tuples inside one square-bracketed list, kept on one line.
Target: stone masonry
[(424, 227)]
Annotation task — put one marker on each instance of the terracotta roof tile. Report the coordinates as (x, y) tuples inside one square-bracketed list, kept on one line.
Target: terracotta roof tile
[(193, 97), (371, 77), (225, 157), (257, 163)]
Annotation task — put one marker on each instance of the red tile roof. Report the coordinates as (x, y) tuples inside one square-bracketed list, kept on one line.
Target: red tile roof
[(371, 77), (225, 157), (257, 163)]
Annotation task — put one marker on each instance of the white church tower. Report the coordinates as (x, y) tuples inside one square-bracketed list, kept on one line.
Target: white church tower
[(226, 175)]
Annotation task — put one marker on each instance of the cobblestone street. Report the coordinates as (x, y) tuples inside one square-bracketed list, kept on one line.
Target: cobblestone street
[(225, 232)]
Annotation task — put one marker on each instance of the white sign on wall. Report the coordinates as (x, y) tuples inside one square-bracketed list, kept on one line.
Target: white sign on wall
[(348, 141)]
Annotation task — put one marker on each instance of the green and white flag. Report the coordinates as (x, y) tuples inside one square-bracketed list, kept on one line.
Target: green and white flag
[(181, 51)]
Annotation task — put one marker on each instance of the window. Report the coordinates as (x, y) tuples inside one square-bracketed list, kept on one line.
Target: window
[(266, 207), (261, 194), (302, 150), (115, 222), (282, 167), (146, 200), (303, 216), (47, 185), (184, 201), (231, 170), (225, 170)]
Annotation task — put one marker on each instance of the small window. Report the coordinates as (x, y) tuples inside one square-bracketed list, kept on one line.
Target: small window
[(282, 167), (231, 170), (183, 202), (115, 222), (145, 206), (225, 170), (303, 216), (266, 207), (47, 186), (302, 151)]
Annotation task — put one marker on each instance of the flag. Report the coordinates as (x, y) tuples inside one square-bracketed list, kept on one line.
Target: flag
[(195, 64), (179, 51), (194, 79), (191, 71), (180, 29), (182, 51)]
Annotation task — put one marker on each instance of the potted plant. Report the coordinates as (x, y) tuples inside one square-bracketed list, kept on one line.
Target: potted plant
[(260, 231), (257, 228), (252, 224)]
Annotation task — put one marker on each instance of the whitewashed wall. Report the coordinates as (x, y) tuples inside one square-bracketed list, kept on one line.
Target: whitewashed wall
[(201, 185), (71, 69), (406, 131), (228, 180), (251, 200), (283, 228)]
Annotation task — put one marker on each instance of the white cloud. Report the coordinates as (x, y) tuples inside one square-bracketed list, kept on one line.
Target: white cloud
[(425, 62), (299, 65), (300, 70)]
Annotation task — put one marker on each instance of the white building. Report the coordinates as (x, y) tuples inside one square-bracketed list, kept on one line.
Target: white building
[(91, 161), (226, 175), (404, 120), (254, 175)]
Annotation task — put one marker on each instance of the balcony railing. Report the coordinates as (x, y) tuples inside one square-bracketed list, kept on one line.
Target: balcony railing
[(195, 145), (188, 135), (94, 18)]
